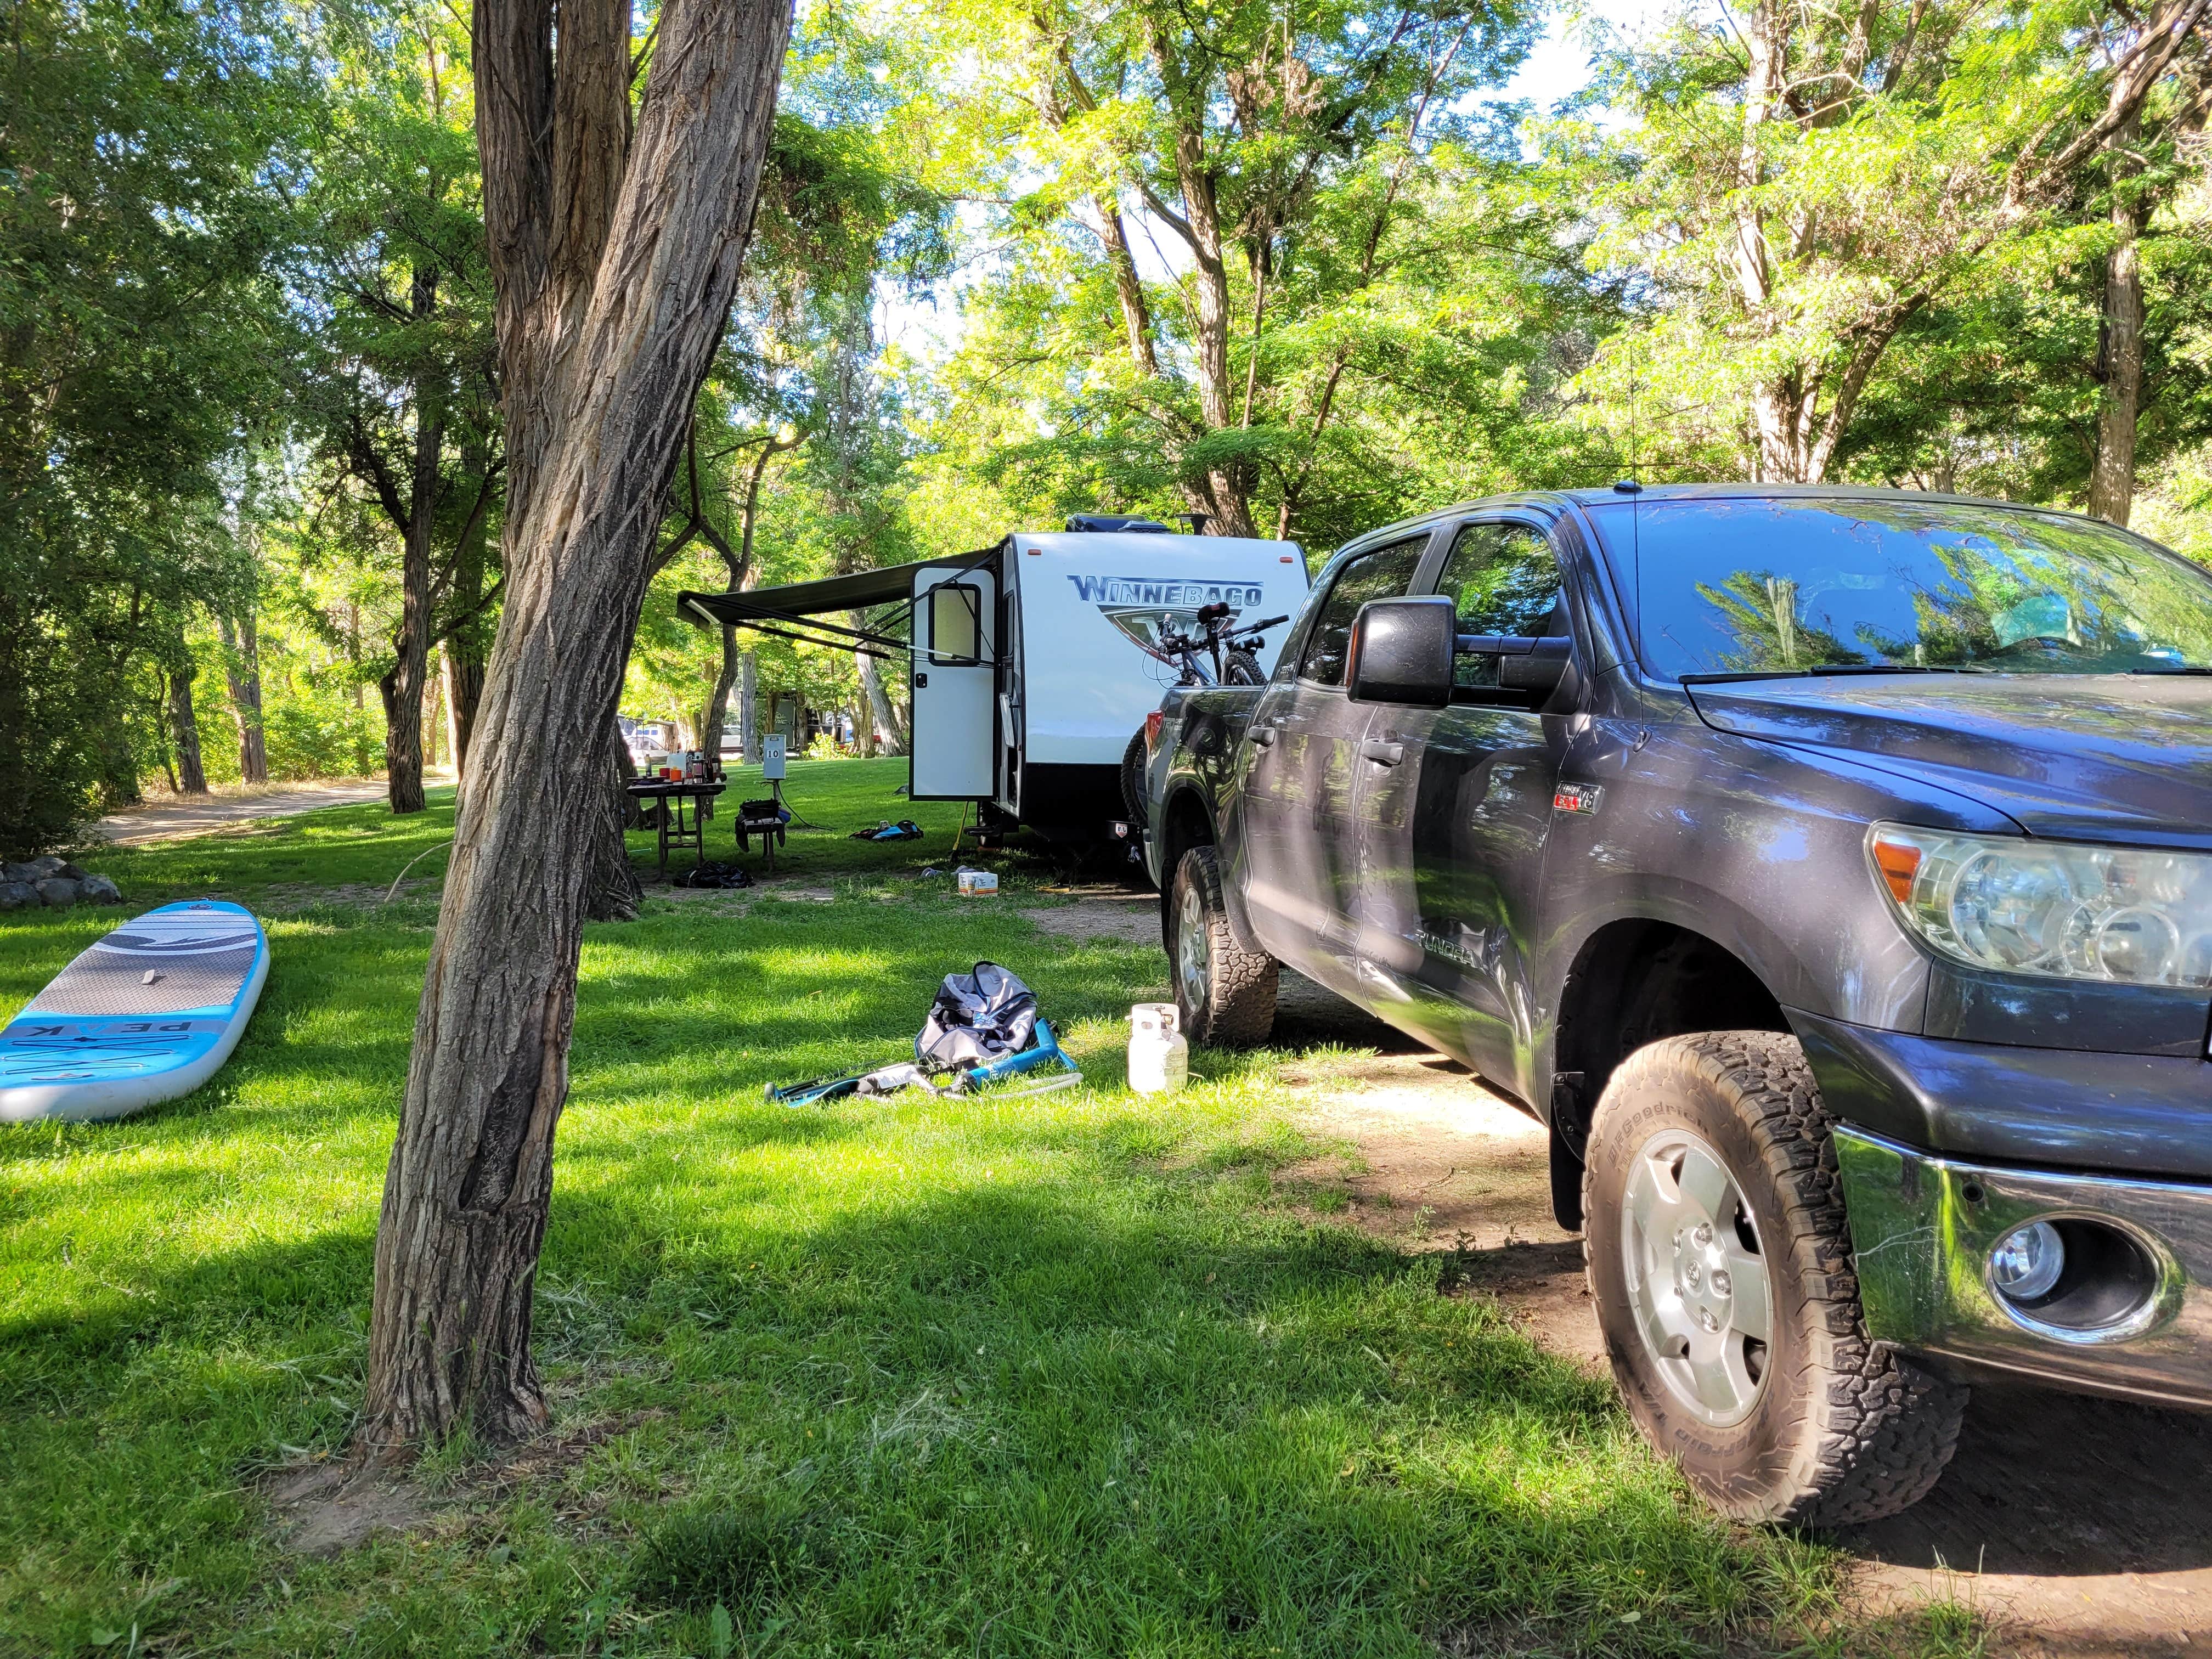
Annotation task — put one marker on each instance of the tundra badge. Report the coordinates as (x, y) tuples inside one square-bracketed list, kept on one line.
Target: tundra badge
[(1575, 798)]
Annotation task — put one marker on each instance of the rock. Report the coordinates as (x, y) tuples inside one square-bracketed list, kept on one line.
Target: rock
[(18, 872), (14, 894), (58, 892), (98, 890), (72, 872), (47, 866)]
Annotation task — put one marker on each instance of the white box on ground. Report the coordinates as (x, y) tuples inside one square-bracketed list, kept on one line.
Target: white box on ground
[(772, 758), (973, 882)]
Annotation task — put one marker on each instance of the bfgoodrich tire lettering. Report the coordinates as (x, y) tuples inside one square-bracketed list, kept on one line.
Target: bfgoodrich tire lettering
[(1225, 994), (1842, 1428)]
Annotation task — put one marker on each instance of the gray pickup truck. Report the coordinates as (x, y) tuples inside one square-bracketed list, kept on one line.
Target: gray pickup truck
[(1830, 870)]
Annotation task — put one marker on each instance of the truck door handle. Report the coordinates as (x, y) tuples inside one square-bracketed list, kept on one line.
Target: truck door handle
[(1262, 735), (1384, 754)]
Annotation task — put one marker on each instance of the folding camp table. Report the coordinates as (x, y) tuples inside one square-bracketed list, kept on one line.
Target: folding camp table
[(678, 828)]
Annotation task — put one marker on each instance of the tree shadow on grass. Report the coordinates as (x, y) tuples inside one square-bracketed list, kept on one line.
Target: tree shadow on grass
[(1085, 1402), (1135, 1413)]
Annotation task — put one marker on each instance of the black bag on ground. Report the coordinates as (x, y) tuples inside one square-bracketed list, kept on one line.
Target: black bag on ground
[(980, 1016)]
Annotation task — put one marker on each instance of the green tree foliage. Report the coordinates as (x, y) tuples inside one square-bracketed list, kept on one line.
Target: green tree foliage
[(1295, 276), (1800, 192), (397, 392), (145, 151)]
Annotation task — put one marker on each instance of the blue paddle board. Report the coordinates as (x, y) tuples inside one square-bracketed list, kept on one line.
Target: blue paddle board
[(147, 1014)]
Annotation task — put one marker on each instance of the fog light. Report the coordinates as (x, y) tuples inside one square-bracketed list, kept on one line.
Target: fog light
[(2028, 1262)]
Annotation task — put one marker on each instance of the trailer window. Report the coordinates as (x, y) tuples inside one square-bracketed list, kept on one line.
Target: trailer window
[(1383, 573), (956, 623)]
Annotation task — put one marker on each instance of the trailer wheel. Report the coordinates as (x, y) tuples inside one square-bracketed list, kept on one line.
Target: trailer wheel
[(1225, 994), (1717, 1253), (1133, 759)]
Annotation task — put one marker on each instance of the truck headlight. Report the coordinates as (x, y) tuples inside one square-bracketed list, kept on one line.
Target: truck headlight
[(2125, 914)]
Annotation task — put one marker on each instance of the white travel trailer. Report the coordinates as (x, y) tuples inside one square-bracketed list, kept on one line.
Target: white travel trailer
[(1034, 661)]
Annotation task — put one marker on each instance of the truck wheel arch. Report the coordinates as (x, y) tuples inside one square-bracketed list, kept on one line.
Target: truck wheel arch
[(1185, 822), (1633, 981)]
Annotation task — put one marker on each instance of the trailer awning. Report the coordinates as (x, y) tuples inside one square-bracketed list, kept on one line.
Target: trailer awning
[(788, 611), (857, 592)]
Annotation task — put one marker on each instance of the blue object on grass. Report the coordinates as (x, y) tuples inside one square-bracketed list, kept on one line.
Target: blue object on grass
[(148, 1013)]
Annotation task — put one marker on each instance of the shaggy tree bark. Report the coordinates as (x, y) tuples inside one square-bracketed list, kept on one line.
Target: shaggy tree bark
[(614, 276), (2120, 353), (875, 709), (749, 726), (241, 652), (468, 636), (185, 728), (403, 685), (738, 562)]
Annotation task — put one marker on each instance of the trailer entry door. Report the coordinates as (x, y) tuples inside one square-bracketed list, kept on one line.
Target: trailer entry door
[(956, 671)]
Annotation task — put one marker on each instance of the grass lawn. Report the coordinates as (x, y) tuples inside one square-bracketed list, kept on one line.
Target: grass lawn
[(1058, 1375)]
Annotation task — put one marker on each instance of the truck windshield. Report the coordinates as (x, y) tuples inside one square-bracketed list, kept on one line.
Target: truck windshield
[(1828, 586)]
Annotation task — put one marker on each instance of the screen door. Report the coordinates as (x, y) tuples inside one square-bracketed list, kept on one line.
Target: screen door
[(956, 739)]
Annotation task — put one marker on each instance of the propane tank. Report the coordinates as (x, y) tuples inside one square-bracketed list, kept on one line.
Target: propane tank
[(1159, 1057)]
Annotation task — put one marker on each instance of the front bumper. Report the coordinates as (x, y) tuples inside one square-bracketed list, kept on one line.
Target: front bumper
[(1922, 1228)]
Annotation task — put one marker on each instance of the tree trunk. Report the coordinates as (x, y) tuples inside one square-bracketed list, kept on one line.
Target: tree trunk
[(435, 718), (464, 691), (1231, 485), (401, 688), (748, 726), (185, 730), (612, 890), (739, 664), (118, 781), (717, 701), (2120, 351), (1128, 288), (638, 311), (469, 640), (876, 709), (404, 683), (242, 651)]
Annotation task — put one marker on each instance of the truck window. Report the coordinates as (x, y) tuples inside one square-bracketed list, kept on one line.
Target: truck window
[(1794, 585), (1501, 579), (1383, 573)]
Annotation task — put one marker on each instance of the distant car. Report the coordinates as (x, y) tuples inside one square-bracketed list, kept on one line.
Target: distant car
[(1830, 870)]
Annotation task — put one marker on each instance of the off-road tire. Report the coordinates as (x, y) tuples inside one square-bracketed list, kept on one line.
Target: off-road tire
[(1242, 668), (1846, 1430), (1237, 1006), (1134, 759)]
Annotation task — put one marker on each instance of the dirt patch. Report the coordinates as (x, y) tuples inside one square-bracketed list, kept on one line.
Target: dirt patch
[(329, 1507), (1440, 1163), (291, 897), (2075, 1526), (2080, 1526), (1126, 923)]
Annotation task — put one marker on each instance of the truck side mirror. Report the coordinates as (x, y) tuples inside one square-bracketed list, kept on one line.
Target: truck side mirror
[(1401, 652), (1536, 667)]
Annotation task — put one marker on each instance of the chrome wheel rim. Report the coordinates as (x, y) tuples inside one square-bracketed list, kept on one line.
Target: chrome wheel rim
[(1190, 948), (1698, 1283)]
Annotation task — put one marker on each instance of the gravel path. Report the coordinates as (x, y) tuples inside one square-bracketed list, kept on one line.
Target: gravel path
[(179, 818)]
